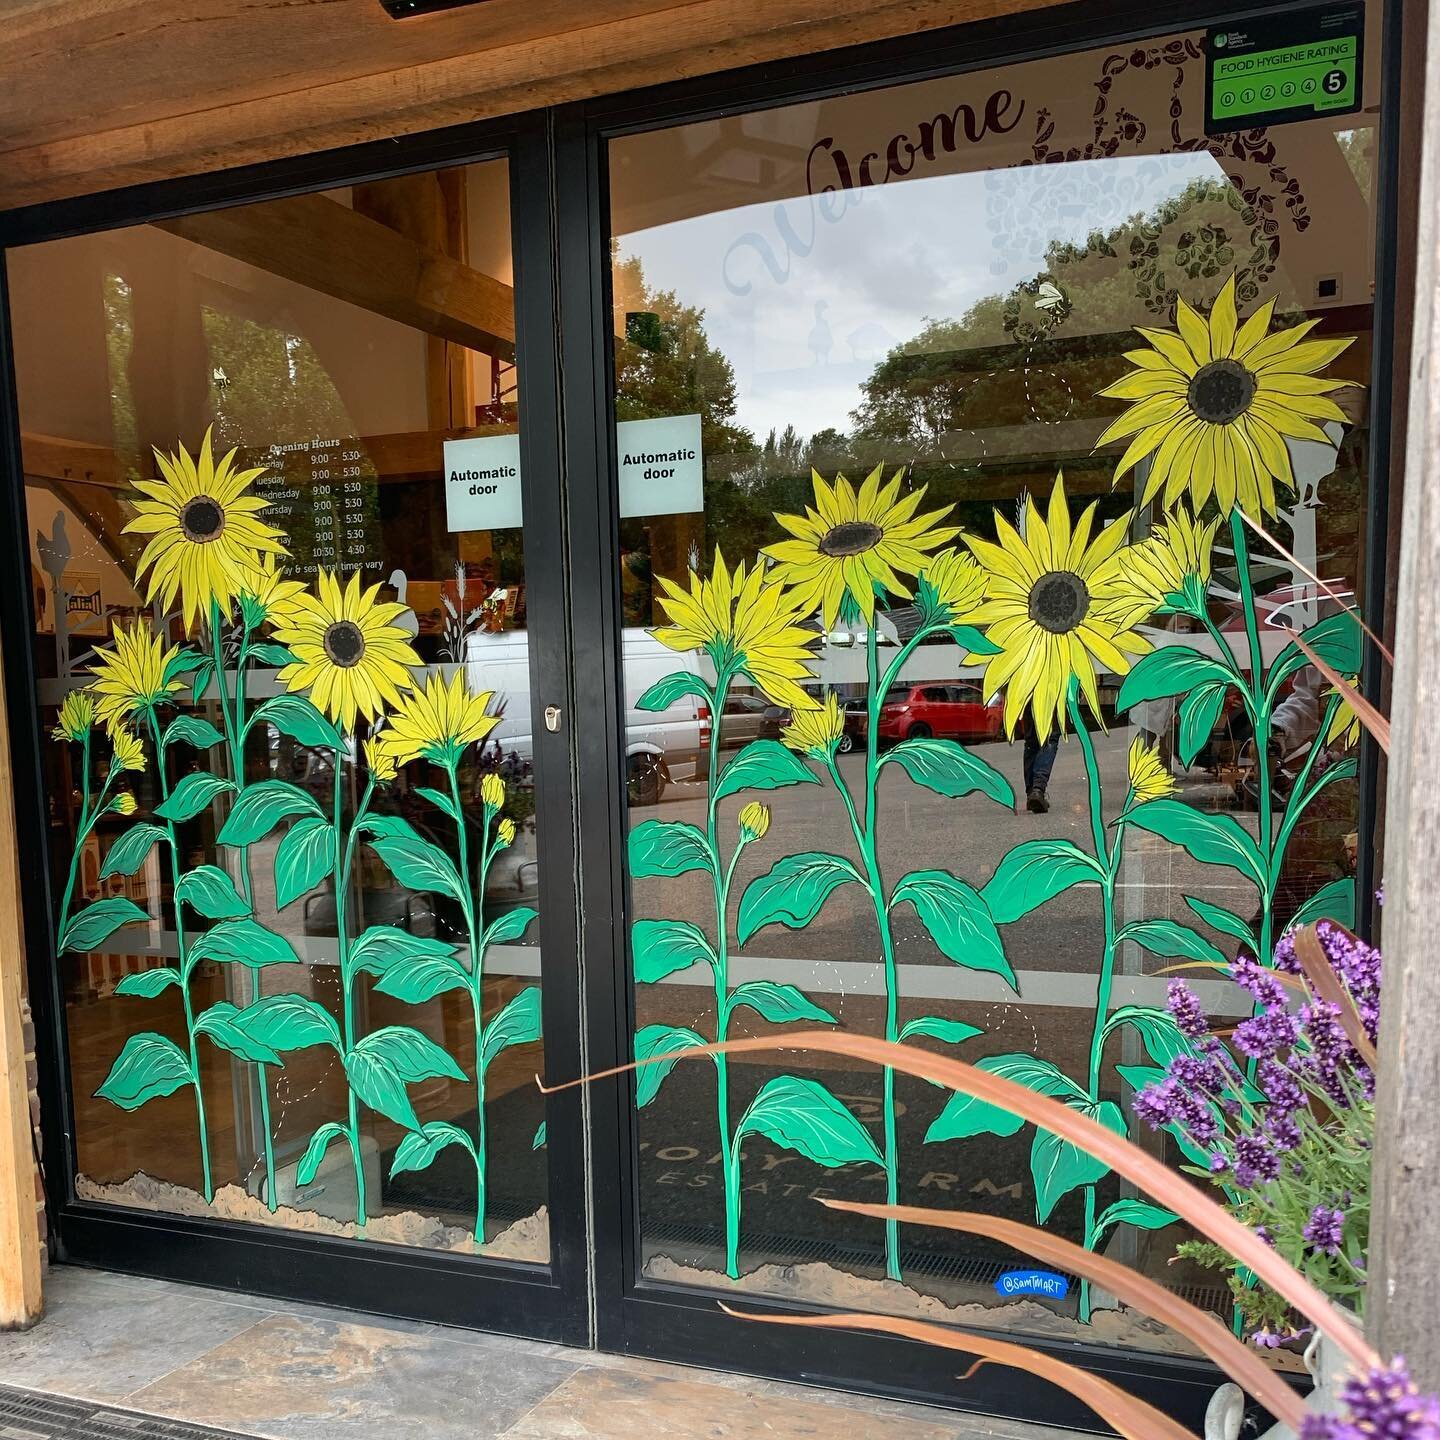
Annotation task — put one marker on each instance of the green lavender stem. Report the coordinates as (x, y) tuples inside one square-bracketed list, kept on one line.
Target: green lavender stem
[(180, 944)]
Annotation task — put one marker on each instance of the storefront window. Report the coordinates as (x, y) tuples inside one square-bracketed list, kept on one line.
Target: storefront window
[(961, 748), (291, 817)]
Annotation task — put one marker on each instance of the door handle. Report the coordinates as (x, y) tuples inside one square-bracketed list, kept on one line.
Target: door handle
[(552, 718)]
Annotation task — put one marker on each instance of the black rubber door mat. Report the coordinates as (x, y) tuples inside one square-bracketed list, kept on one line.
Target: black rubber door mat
[(28, 1415)]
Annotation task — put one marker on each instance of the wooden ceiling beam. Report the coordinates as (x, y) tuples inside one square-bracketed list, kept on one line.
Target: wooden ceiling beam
[(318, 242)]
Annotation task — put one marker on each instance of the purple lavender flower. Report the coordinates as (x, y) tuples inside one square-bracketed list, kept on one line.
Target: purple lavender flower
[(1386, 1404), (1254, 977), (1255, 1161), (1189, 1014), (1266, 1035), (1325, 1230)]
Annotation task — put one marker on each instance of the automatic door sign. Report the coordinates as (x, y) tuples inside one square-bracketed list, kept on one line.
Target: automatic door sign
[(1291, 66), (662, 471), (482, 483)]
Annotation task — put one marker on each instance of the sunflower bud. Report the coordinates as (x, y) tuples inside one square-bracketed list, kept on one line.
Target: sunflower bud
[(77, 715), (128, 753), (492, 791), (505, 832), (381, 761), (123, 803), (754, 822)]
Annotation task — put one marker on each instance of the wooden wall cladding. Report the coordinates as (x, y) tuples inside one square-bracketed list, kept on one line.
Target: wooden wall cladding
[(100, 93)]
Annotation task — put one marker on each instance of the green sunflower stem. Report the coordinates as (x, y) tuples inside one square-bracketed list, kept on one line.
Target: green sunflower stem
[(343, 864), (82, 833), (1109, 858), (182, 950)]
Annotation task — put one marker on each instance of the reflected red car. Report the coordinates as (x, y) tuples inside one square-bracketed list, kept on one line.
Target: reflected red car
[(954, 711)]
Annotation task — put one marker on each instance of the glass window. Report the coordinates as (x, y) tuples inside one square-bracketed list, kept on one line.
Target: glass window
[(1052, 335), (280, 589)]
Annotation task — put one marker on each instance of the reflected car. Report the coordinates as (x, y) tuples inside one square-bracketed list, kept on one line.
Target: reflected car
[(954, 711), (852, 737), (750, 717)]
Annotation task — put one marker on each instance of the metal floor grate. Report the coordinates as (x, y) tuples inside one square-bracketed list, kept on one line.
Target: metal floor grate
[(28, 1415)]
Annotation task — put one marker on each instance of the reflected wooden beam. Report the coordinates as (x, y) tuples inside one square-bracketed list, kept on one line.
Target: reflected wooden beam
[(322, 244), (49, 457)]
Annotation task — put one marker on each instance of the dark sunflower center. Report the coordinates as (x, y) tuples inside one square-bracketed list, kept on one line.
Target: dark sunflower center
[(1221, 391), (202, 520), (852, 537), (1058, 601), (344, 643)]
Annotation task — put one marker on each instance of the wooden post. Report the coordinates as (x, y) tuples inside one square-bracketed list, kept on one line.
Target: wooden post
[(1405, 1243), (20, 1295)]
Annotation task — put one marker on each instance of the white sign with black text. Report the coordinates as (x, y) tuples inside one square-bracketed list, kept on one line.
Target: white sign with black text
[(662, 470), (482, 483)]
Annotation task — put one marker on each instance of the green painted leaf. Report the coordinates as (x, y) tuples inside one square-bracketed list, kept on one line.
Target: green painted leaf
[(952, 1032), (440, 800), (224, 1024), (1199, 710), (413, 1056), (1335, 901), (792, 891), (291, 1022), (271, 654), (950, 769), (242, 942), (97, 922), (1129, 1211), (297, 717), (193, 730), (148, 1067), (182, 662), (200, 680), (1166, 671), (422, 977), (128, 852), (1222, 920), (1158, 1032), (420, 1147), (381, 946), (666, 847), (958, 921), (777, 1002), (1057, 1167), (320, 1142), (675, 686), (538, 1143), (261, 807), (147, 984), (419, 865), (1208, 838), (304, 856), (194, 792), (660, 1040), (209, 891), (802, 1115), (662, 947), (1032, 873), (507, 927), (376, 1082), (517, 1024), (1337, 640), (965, 1115), (763, 765), (973, 641), (1170, 937)]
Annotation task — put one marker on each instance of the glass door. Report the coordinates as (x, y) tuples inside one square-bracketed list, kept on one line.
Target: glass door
[(930, 398), (293, 651)]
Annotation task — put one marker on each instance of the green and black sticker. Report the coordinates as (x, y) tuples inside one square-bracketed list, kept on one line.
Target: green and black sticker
[(1279, 68)]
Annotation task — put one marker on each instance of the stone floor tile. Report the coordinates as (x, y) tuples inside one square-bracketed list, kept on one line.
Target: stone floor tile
[(289, 1378)]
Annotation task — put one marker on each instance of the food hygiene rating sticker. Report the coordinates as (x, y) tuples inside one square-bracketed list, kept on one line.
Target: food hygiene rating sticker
[(1292, 66)]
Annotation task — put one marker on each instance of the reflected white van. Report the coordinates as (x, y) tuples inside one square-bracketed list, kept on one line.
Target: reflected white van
[(661, 747)]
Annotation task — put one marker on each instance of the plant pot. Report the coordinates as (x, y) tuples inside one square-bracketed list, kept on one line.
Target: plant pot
[(1327, 1364)]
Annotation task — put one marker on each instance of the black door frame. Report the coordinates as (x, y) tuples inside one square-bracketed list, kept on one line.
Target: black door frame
[(567, 431), (543, 1302), (667, 1321)]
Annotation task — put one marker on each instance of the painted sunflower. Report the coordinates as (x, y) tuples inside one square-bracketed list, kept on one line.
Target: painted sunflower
[(349, 654), (1150, 779), (816, 733), (77, 716), (853, 544), (127, 749), (267, 593), (204, 528), (438, 721), (754, 822), (132, 674), (1214, 400), (1344, 731), (746, 623), (1170, 568), (1051, 598), (379, 761), (951, 587)]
